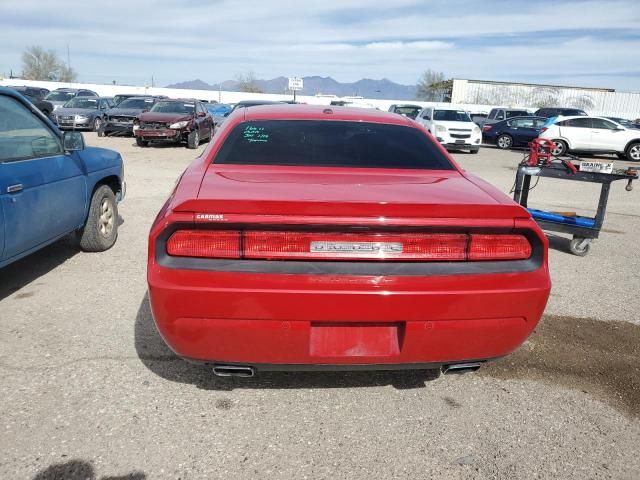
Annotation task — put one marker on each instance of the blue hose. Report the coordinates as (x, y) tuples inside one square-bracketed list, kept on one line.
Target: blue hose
[(555, 217)]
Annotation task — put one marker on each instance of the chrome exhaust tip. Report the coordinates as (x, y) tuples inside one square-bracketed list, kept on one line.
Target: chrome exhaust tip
[(233, 371), (460, 368)]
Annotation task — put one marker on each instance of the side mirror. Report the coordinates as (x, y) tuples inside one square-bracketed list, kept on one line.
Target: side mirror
[(72, 141)]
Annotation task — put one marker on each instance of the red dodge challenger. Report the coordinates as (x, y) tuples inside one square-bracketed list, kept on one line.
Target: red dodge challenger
[(308, 237)]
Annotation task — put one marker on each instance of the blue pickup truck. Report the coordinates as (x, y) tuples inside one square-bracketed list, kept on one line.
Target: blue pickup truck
[(52, 185)]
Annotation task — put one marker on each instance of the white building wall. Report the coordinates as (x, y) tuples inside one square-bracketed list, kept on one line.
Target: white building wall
[(593, 100)]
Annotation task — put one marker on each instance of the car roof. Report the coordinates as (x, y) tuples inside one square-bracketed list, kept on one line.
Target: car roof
[(323, 112), (412, 105)]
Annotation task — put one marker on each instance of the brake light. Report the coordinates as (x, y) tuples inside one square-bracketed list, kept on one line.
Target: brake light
[(292, 245), (544, 129), (354, 246), (486, 128), (205, 244), (499, 247)]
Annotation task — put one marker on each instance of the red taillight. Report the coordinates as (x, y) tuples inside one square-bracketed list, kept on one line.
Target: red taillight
[(499, 247), (205, 243), (291, 245), (354, 246), (486, 128), (543, 129)]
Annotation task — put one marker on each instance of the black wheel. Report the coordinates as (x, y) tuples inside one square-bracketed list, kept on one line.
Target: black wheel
[(97, 124), (633, 152), (504, 142), (561, 148), (193, 140), (101, 229), (474, 150), (101, 132), (141, 142), (580, 246)]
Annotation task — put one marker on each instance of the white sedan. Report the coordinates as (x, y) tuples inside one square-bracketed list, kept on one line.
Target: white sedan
[(593, 135)]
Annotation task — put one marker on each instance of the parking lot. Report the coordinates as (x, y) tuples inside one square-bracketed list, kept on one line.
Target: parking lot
[(89, 388)]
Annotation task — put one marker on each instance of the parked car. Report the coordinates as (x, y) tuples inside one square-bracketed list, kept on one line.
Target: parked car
[(479, 118), (51, 185), (82, 113), (517, 131), (624, 122), (250, 103), (452, 127), (60, 96), (408, 110), (182, 120), (499, 114), (559, 112), (36, 96), (592, 135), (120, 118), (218, 111), (311, 237), (118, 99)]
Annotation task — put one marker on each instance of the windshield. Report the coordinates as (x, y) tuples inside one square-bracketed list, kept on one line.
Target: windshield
[(570, 112), (451, 115), (323, 143), (60, 96), (121, 98), (411, 112), (219, 108), (517, 113), (136, 103), (173, 107), (82, 102)]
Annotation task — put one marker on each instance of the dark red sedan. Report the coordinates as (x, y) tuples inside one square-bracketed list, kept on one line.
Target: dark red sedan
[(308, 237)]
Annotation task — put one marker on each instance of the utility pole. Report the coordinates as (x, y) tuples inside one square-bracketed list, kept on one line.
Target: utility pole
[(152, 84)]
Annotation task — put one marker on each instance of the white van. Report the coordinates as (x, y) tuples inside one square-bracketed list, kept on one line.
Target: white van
[(452, 127)]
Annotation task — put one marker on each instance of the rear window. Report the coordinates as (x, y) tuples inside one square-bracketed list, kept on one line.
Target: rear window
[(517, 113), (322, 143)]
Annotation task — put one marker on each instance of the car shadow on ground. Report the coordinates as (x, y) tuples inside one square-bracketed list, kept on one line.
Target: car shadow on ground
[(559, 243), (80, 470), (157, 357), (16, 275)]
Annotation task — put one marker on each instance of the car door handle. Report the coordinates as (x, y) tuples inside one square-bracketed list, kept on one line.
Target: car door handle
[(14, 188)]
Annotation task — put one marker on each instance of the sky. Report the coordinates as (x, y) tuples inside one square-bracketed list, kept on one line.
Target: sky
[(573, 42)]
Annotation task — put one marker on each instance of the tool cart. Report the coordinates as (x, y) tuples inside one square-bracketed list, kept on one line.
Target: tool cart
[(539, 162)]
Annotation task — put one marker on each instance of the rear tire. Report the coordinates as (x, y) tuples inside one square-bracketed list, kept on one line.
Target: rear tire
[(504, 142), (101, 229), (474, 150), (141, 142), (561, 148), (633, 152), (193, 140)]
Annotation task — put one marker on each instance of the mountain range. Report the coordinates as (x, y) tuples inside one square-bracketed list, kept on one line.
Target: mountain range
[(383, 89)]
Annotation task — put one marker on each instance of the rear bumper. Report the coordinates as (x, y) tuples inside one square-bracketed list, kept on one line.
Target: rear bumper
[(278, 321)]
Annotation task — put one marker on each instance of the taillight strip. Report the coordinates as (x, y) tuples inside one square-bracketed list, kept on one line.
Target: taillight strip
[(379, 246)]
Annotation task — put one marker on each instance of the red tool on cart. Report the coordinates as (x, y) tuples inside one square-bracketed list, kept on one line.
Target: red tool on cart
[(540, 155)]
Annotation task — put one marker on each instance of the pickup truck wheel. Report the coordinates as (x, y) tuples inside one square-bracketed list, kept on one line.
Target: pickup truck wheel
[(101, 230), (193, 140), (504, 142), (97, 124), (633, 152), (142, 143)]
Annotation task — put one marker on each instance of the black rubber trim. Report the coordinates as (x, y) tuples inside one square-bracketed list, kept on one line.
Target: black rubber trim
[(360, 268), (341, 367)]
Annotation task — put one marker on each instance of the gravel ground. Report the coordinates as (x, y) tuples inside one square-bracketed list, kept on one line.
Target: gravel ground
[(89, 391)]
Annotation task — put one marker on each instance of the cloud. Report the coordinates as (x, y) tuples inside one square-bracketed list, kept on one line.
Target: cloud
[(347, 39)]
